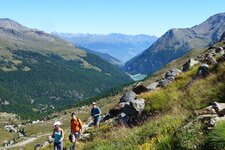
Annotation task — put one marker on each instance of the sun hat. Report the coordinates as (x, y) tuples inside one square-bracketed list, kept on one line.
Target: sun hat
[(57, 123), (93, 103)]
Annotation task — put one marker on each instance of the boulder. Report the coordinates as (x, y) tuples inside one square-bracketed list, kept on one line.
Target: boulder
[(10, 128), (128, 105), (217, 50), (189, 64), (203, 71), (210, 60), (222, 52), (128, 97), (152, 86), (128, 109), (139, 105), (219, 108), (171, 74), (164, 82), (140, 89)]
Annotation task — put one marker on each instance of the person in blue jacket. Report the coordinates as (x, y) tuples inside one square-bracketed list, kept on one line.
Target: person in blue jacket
[(96, 114)]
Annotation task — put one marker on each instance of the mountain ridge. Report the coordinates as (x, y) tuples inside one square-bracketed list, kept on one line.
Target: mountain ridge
[(121, 46), (40, 73), (175, 43)]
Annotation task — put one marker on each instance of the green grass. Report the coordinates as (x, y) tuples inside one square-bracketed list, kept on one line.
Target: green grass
[(157, 133), (177, 102), (217, 136)]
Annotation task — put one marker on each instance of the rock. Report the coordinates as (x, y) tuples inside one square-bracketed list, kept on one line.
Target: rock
[(10, 128), (34, 122), (204, 111), (203, 71), (171, 74), (38, 146), (189, 64), (222, 52), (164, 82), (210, 60), (4, 102), (140, 89), (139, 105), (128, 97), (217, 119), (85, 126), (152, 86), (86, 136), (11, 142), (128, 109), (219, 108), (128, 105), (20, 135), (217, 50)]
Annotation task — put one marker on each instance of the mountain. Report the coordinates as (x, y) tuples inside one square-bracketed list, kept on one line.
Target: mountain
[(40, 73), (122, 47), (175, 43), (179, 116), (112, 60), (222, 37)]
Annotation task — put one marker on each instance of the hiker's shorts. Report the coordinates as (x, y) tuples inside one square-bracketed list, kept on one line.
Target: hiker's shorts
[(75, 136), (58, 146), (96, 120)]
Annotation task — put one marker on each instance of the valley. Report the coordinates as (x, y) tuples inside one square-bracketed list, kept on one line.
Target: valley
[(112, 75)]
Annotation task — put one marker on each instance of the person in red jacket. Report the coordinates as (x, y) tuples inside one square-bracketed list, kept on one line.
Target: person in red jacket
[(76, 129)]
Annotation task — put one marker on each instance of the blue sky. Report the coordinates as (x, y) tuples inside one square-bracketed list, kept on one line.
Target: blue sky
[(110, 16)]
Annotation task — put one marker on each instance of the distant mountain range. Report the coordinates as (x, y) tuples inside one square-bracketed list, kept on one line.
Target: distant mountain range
[(175, 43), (40, 72), (122, 47)]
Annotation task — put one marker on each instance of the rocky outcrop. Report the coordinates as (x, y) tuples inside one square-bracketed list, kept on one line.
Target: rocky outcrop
[(10, 128), (211, 114), (189, 64), (164, 82), (219, 49), (219, 108), (128, 97), (140, 89), (210, 59), (153, 86), (202, 72), (135, 105), (170, 75), (128, 109)]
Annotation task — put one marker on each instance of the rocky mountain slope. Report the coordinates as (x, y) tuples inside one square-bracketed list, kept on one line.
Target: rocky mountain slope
[(173, 109), (122, 47), (175, 43), (40, 73)]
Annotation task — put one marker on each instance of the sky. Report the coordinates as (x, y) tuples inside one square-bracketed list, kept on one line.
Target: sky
[(152, 17)]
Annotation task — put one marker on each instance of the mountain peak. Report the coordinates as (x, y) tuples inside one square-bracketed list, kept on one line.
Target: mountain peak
[(7, 23)]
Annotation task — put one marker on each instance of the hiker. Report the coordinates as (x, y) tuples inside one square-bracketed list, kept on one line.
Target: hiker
[(58, 135), (76, 129), (95, 113)]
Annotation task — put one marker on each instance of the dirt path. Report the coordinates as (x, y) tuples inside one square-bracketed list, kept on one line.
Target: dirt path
[(25, 142)]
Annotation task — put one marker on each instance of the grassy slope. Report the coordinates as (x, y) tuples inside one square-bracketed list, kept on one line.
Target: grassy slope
[(176, 104)]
